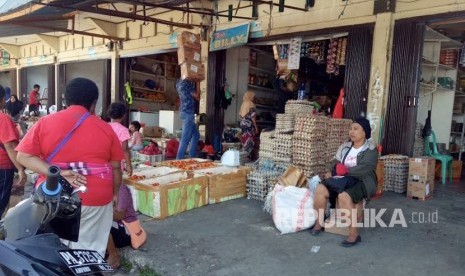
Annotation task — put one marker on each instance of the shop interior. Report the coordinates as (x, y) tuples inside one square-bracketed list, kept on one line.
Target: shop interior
[(155, 100), (442, 85), (262, 68)]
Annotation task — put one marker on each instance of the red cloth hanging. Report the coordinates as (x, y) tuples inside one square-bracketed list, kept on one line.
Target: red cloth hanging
[(339, 108)]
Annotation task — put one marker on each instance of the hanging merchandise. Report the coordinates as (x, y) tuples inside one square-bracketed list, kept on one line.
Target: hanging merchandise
[(294, 53), (316, 51), (336, 55)]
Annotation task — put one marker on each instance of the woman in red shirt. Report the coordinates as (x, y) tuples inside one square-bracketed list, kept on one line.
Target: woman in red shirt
[(9, 137), (92, 157)]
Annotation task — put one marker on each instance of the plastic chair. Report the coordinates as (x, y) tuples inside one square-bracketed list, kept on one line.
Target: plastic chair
[(446, 160)]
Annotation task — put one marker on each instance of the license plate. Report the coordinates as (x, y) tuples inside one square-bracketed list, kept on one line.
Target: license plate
[(83, 262)]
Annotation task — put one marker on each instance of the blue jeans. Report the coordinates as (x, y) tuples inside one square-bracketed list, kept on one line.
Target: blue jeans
[(190, 134), (6, 182)]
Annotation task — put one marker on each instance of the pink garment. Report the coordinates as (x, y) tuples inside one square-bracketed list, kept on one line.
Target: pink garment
[(136, 139), (121, 131)]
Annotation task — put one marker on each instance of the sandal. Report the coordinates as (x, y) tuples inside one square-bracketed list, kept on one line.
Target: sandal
[(347, 243)]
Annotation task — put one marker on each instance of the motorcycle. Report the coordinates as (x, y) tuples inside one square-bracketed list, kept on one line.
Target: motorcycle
[(33, 228)]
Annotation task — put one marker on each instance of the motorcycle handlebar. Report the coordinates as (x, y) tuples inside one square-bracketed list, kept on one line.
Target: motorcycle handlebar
[(53, 176)]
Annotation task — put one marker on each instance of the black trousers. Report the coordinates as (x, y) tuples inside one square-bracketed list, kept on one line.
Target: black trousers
[(6, 183)]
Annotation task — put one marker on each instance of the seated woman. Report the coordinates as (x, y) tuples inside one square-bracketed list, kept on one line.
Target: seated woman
[(356, 162), (120, 233)]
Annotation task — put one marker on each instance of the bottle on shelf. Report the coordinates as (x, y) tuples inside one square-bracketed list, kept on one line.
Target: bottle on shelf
[(301, 95)]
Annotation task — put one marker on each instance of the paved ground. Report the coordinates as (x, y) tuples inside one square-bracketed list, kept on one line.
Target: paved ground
[(238, 238)]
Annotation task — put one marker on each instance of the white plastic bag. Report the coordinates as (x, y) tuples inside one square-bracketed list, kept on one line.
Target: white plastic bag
[(292, 209)]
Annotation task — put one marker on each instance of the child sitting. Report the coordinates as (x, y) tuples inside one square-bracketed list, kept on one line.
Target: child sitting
[(136, 139)]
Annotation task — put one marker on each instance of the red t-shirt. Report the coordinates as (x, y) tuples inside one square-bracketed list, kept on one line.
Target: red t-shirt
[(94, 141), (33, 95), (8, 133)]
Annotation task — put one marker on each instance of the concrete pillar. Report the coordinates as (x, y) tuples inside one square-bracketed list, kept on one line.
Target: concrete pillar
[(380, 72), (114, 86)]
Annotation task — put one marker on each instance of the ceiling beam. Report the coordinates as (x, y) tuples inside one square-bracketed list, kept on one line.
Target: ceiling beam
[(188, 10), (52, 41), (57, 29), (108, 12), (104, 26), (12, 49)]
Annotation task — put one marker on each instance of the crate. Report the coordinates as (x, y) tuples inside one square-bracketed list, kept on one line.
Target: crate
[(225, 183), (189, 39), (422, 169), (151, 158), (420, 190), (193, 71), (188, 54), (173, 198), (456, 170)]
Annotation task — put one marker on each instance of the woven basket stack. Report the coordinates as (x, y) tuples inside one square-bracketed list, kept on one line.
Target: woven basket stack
[(309, 146), (395, 172), (338, 133)]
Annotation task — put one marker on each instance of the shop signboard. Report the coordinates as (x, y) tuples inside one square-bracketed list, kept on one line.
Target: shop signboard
[(229, 38)]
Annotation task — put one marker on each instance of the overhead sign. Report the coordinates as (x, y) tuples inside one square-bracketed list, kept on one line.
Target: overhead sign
[(229, 38)]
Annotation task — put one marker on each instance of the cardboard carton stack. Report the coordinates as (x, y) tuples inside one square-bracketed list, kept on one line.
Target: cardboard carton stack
[(189, 57), (421, 177)]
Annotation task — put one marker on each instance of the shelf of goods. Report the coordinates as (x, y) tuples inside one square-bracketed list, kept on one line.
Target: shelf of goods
[(148, 78), (438, 83), (260, 80)]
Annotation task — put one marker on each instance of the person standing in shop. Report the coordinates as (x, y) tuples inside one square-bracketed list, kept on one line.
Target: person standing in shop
[(189, 95), (9, 137), (34, 101), (248, 115)]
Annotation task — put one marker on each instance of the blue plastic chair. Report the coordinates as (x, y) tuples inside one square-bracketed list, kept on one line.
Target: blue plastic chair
[(446, 160)]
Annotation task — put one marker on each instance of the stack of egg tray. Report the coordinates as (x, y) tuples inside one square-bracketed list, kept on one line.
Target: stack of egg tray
[(266, 145), (419, 145), (283, 148), (298, 106), (395, 173), (263, 178), (285, 123), (309, 143), (338, 133)]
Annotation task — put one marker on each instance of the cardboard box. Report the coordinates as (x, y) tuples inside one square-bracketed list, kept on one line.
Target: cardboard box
[(170, 199), (152, 131), (422, 169), (186, 54), (336, 225), (456, 170), (193, 71), (227, 186), (420, 190), (189, 39)]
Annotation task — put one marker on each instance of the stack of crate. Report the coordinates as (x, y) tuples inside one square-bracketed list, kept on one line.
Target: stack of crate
[(189, 50), (421, 177)]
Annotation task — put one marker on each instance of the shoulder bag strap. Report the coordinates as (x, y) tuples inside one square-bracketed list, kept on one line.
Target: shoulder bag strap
[(67, 137)]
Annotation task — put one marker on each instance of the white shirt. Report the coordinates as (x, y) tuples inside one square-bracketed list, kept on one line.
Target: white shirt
[(351, 158)]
